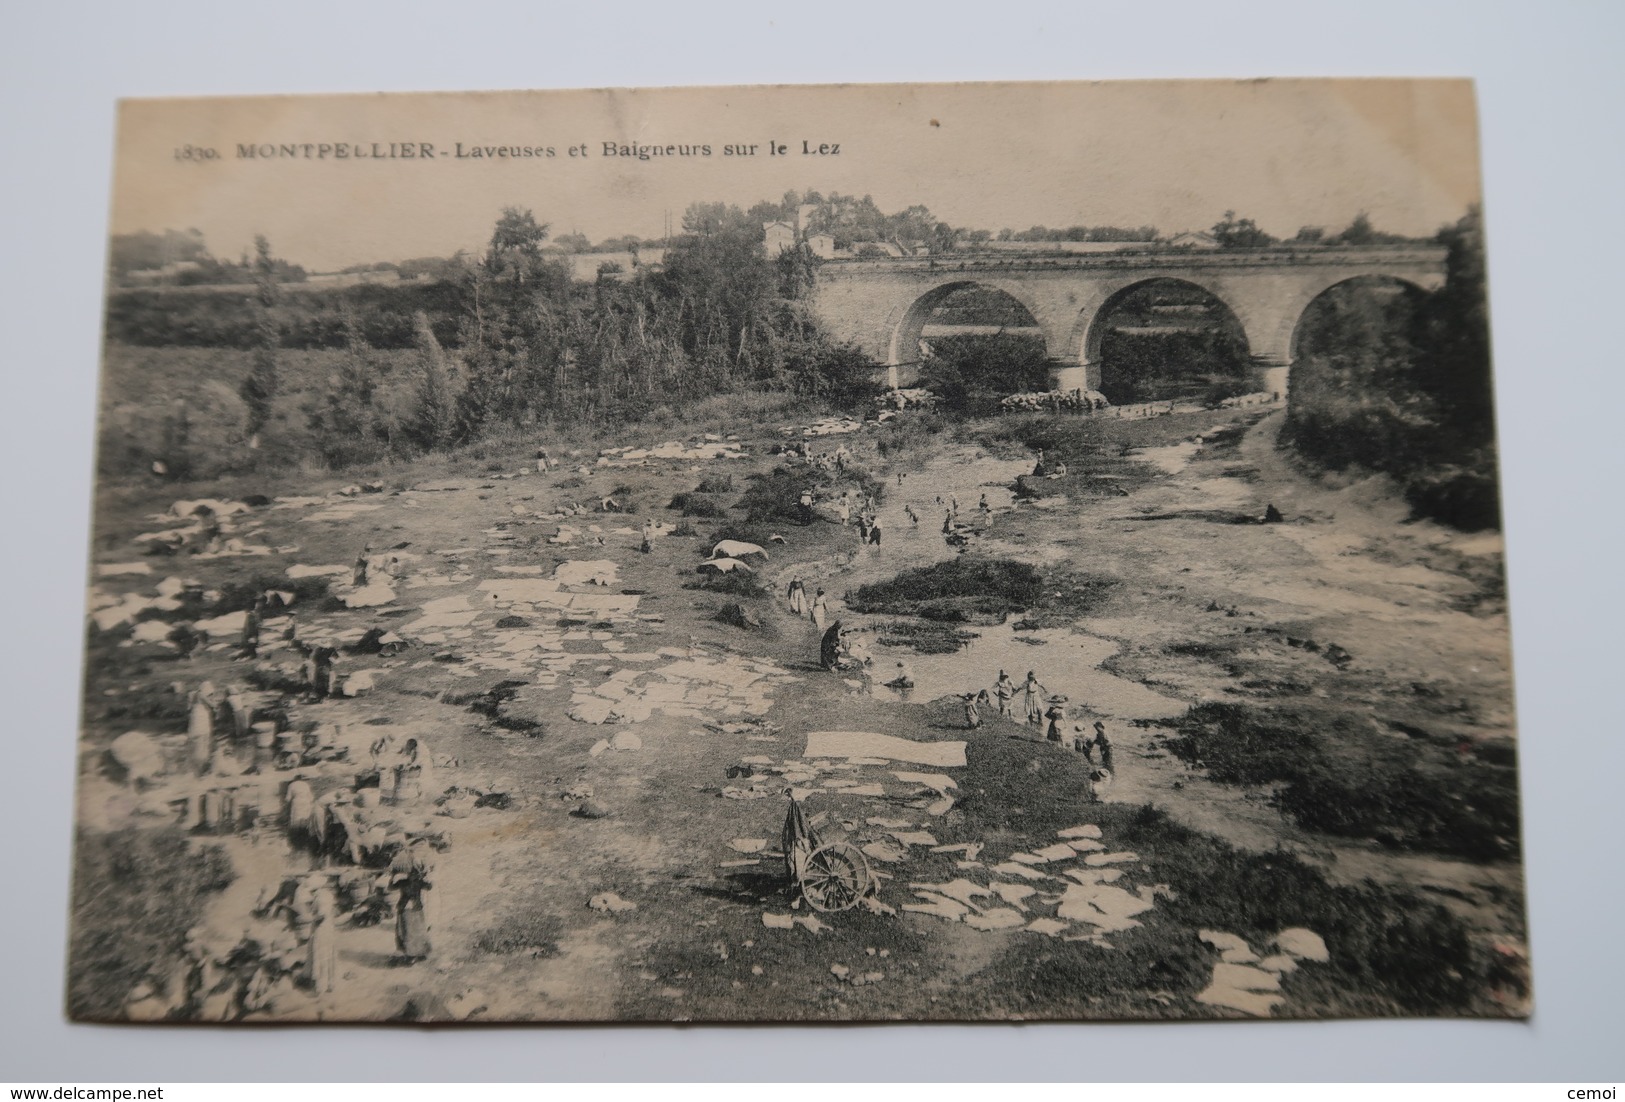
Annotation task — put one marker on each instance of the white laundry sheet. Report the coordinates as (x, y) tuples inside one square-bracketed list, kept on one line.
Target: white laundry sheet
[(865, 744)]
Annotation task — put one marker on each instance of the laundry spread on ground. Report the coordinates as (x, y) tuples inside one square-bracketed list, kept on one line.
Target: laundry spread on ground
[(864, 744)]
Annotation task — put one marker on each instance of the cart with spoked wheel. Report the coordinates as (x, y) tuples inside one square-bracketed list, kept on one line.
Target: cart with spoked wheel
[(831, 876)]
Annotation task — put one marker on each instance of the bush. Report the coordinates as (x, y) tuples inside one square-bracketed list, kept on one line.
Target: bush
[(971, 373), (911, 430), (1464, 497), (1339, 778), (775, 495), (697, 505), (1159, 367), (533, 933), (734, 584), (200, 436), (964, 589), (1238, 747), (931, 638)]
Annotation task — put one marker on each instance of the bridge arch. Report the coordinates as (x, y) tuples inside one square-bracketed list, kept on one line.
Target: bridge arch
[(909, 329), (1295, 326), (1191, 299), (1378, 282), (1091, 326)]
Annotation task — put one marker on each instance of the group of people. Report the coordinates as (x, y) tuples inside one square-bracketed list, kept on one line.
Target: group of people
[(1005, 690), (863, 510), (218, 725), (815, 607), (1043, 709)]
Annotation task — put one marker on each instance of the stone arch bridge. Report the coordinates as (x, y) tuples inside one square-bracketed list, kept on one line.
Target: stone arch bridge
[(884, 305)]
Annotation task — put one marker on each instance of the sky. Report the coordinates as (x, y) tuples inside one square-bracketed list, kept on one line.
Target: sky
[(1175, 155)]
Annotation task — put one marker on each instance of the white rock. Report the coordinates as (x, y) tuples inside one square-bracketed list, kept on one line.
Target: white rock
[(611, 903)]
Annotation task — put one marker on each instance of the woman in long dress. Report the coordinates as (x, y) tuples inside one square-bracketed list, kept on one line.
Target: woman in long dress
[(409, 877), (819, 610), (199, 732), (413, 772), (1056, 716), (323, 960), (1034, 698), (384, 759), (1005, 690)]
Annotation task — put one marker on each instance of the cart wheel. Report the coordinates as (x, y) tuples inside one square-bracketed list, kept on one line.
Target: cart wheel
[(835, 877)]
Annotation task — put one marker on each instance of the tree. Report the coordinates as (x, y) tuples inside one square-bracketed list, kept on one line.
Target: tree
[(259, 389), (515, 251), (344, 418), (1457, 373), (720, 286), (513, 332), (1234, 233), (432, 422), (1359, 231)]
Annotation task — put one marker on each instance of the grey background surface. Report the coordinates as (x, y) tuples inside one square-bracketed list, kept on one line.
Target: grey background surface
[(1550, 89)]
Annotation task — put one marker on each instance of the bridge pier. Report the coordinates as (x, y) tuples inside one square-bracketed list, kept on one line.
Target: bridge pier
[(1074, 376), (1275, 370)]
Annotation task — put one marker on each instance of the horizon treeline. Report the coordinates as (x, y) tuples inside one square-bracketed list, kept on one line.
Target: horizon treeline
[(182, 258)]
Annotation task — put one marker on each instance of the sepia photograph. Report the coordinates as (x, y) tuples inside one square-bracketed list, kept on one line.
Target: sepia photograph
[(848, 553)]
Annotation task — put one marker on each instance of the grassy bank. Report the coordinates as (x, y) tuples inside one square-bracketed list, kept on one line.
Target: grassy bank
[(976, 590), (1334, 773)]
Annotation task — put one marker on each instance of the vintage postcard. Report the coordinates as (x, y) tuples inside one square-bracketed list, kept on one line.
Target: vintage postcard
[(958, 552)]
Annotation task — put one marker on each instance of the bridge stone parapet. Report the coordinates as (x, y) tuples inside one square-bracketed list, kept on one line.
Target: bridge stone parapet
[(883, 305)]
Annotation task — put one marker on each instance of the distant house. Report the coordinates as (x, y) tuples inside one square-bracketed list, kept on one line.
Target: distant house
[(1193, 240), (778, 237), (821, 244)]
